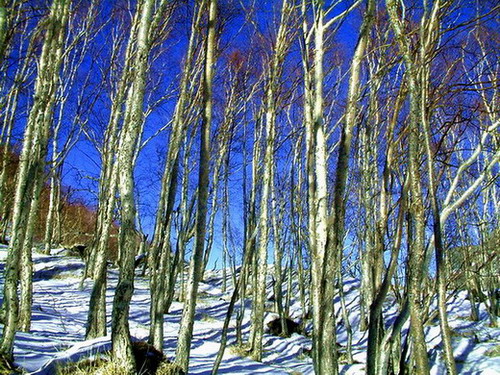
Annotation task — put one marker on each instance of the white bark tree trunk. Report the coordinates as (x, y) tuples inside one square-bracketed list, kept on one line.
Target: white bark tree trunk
[(196, 267), (416, 256), (273, 79), (130, 133), (96, 265), (29, 179), (160, 249)]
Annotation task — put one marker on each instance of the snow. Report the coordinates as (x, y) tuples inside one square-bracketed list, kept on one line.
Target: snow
[(60, 312)]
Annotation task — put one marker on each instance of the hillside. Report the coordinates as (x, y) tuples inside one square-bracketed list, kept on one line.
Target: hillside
[(60, 308)]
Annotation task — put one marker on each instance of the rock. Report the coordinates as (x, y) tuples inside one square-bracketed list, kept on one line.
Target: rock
[(147, 357), (274, 327), (79, 250)]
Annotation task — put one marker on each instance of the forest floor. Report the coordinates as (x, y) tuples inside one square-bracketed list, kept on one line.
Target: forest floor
[(60, 310)]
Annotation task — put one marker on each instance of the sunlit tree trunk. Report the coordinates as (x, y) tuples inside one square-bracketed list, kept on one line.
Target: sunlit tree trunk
[(248, 241), (314, 246), (323, 249), (10, 101), (334, 253), (130, 133), (160, 252), (10, 11), (324, 336), (3, 28), (196, 266), (29, 179), (277, 219), (96, 266), (296, 210), (270, 112), (416, 256), (238, 290), (96, 318), (252, 219), (428, 35), (185, 232), (375, 350), (26, 263), (224, 141), (225, 225), (370, 195), (52, 210)]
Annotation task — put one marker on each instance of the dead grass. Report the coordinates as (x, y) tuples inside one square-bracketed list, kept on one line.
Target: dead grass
[(168, 368), (64, 276), (111, 368), (465, 334), (493, 352), (240, 350), (87, 366), (208, 318), (6, 366), (149, 361), (101, 366)]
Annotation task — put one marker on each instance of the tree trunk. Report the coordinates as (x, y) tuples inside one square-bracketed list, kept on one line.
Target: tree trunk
[(334, 252), (11, 102), (441, 273), (158, 256), (96, 319), (3, 29), (133, 119), (196, 267), (378, 352), (32, 160), (277, 217), (51, 212), (26, 265)]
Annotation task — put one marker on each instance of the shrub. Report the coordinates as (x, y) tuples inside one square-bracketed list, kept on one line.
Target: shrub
[(6, 366)]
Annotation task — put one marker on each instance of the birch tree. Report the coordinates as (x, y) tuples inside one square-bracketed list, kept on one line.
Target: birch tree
[(429, 30), (323, 248), (32, 161), (97, 261), (3, 27), (378, 341), (271, 90), (416, 256), (11, 11), (125, 122), (196, 266), (160, 253), (126, 157), (10, 104), (77, 44)]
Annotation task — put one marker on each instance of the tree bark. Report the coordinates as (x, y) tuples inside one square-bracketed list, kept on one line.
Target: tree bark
[(32, 161), (429, 29), (134, 117), (416, 256), (273, 79), (96, 265), (196, 267), (160, 249)]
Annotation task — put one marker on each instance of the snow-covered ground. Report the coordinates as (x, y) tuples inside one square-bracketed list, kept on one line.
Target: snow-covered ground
[(60, 310)]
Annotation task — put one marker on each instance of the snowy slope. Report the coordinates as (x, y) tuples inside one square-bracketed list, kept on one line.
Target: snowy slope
[(60, 310)]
